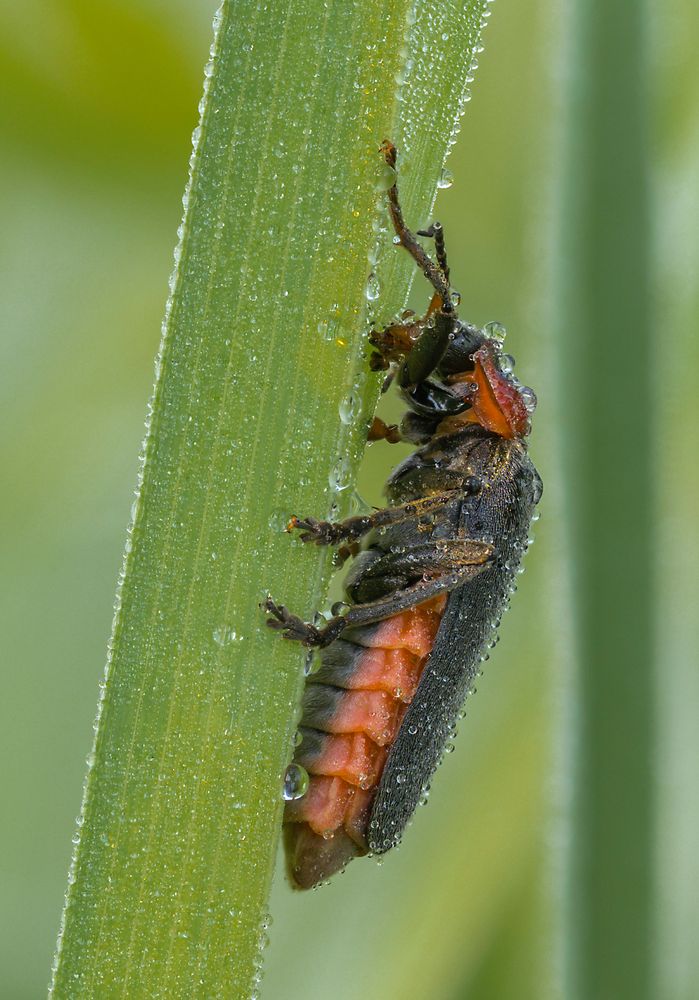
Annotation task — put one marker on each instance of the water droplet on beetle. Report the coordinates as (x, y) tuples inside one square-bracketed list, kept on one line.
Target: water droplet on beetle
[(295, 783), (529, 397), (495, 331)]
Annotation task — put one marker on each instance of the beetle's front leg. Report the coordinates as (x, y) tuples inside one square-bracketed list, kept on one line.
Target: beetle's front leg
[(397, 340)]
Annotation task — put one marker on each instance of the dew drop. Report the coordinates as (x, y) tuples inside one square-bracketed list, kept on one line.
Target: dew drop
[(495, 331), (387, 178), (348, 409), (311, 662), (224, 635), (295, 783), (446, 178), (529, 397), (339, 477), (373, 288)]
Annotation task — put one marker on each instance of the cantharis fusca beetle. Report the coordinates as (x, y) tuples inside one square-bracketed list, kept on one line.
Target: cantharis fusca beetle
[(427, 588)]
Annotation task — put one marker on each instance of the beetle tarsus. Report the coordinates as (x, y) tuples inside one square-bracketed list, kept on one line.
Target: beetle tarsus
[(297, 630)]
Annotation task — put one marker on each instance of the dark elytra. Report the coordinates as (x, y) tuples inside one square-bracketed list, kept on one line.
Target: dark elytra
[(502, 512)]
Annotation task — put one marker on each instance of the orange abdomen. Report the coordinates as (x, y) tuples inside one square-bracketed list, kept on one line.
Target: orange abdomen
[(352, 710)]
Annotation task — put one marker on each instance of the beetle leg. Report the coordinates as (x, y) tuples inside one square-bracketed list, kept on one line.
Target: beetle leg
[(293, 626), (394, 570), (397, 340), (332, 533), (428, 349), (296, 629)]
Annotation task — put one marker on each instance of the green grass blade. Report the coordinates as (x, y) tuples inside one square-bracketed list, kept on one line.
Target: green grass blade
[(257, 413), (677, 284), (605, 335)]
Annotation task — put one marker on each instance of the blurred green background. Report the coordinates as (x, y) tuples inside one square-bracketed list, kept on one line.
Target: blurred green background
[(101, 102)]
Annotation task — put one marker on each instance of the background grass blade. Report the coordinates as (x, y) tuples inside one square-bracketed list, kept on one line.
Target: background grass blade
[(260, 380), (605, 332), (676, 205)]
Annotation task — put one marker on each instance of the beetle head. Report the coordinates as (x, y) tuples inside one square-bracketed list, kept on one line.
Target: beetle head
[(475, 362)]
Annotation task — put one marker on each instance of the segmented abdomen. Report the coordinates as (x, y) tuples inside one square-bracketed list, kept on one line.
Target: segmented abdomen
[(353, 707)]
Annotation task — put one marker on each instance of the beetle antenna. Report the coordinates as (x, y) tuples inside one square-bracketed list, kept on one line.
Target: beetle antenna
[(436, 233)]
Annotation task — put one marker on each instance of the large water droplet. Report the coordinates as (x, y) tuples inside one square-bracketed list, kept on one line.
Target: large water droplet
[(224, 635), (295, 783), (373, 288), (529, 397), (387, 178), (348, 409), (446, 178), (495, 331)]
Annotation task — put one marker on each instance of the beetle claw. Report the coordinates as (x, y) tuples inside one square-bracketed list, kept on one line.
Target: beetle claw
[(291, 626), (313, 530)]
